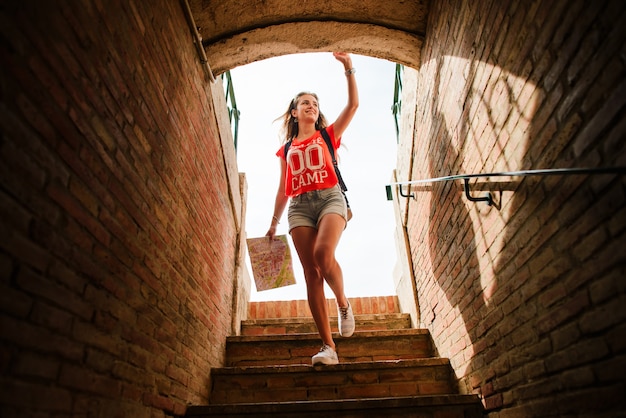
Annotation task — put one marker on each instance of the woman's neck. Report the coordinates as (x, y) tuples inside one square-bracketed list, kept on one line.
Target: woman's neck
[(305, 131)]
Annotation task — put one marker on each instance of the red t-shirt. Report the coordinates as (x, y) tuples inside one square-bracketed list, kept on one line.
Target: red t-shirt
[(309, 164)]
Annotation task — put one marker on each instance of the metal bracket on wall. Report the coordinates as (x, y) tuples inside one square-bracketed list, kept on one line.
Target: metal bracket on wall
[(400, 191), (412, 195), (489, 198)]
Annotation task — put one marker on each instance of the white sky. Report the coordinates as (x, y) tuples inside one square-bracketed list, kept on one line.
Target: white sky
[(366, 252)]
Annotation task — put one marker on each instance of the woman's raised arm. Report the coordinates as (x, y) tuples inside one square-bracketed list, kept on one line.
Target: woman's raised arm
[(346, 115)]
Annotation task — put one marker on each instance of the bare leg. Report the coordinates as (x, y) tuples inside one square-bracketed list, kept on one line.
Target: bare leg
[(331, 227), (304, 239), (316, 250)]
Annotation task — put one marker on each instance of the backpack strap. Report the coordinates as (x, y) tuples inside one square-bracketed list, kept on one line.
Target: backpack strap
[(287, 145), (329, 144)]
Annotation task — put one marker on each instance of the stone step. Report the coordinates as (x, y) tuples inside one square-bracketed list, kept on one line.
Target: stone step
[(362, 346), (367, 322), (448, 406), (386, 369), (378, 379)]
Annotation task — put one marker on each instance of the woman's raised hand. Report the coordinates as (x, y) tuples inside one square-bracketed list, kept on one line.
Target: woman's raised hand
[(344, 58)]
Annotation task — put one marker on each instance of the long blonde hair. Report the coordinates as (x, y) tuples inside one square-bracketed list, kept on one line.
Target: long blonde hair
[(290, 124)]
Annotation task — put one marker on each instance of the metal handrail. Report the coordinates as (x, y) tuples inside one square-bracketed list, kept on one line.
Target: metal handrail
[(396, 106), (233, 112), (197, 41), (488, 198)]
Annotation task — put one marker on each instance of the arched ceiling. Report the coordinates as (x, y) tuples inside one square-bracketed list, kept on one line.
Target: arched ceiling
[(236, 32)]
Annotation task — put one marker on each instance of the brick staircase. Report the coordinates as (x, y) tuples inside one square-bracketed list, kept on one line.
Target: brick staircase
[(386, 367)]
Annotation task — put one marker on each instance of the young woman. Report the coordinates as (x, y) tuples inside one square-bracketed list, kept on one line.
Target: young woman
[(317, 212)]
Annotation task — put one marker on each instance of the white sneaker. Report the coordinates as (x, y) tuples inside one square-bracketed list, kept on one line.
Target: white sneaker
[(346, 321), (326, 355)]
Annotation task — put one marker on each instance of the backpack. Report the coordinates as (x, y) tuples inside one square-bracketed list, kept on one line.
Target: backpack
[(329, 144)]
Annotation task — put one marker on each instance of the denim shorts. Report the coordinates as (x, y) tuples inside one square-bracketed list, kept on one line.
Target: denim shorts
[(308, 208)]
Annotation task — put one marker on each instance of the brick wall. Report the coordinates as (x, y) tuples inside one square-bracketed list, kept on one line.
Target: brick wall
[(116, 280), (300, 308), (527, 297)]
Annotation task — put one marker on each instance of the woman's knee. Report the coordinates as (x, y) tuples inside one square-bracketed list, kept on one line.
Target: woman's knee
[(313, 276), (325, 258)]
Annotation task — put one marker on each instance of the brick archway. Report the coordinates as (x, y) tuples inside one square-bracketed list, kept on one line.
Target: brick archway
[(234, 35)]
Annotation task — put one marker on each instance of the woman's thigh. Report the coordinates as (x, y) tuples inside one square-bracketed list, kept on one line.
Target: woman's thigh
[(304, 238)]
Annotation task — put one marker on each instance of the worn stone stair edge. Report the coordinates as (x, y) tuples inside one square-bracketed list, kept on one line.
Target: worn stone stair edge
[(299, 320), (346, 366), (315, 335), (338, 405)]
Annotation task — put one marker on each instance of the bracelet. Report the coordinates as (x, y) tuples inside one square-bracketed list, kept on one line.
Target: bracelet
[(350, 71), (276, 219)]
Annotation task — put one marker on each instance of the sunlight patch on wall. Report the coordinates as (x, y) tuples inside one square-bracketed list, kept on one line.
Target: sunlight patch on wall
[(490, 130)]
